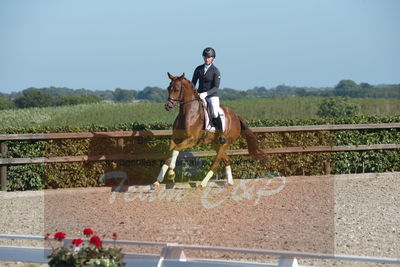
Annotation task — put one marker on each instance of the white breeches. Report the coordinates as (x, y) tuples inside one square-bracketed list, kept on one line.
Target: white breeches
[(214, 103)]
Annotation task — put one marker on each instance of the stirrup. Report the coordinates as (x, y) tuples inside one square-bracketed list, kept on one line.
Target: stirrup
[(222, 140)]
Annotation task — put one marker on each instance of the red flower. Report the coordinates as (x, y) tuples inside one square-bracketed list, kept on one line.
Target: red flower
[(60, 236), (77, 242), (96, 241), (88, 232), (46, 236), (115, 236)]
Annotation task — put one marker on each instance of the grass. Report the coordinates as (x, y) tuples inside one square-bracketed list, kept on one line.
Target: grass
[(109, 114)]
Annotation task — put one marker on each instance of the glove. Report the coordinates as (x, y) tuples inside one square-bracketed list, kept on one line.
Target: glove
[(203, 95)]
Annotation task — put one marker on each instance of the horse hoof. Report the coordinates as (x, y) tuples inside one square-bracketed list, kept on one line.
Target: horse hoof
[(171, 176), (171, 173), (154, 185)]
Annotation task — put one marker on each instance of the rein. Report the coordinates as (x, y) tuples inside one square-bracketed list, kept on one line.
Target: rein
[(180, 101)]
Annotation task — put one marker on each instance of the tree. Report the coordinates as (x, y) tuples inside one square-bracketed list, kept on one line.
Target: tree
[(347, 88), (300, 92), (231, 94), (153, 94), (346, 85), (76, 100), (6, 104), (337, 108), (106, 95), (366, 86), (257, 92), (34, 98), (124, 95)]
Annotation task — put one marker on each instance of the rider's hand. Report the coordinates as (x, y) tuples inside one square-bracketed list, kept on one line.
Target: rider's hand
[(203, 95)]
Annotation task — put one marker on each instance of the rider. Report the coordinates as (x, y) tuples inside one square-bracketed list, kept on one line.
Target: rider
[(209, 78)]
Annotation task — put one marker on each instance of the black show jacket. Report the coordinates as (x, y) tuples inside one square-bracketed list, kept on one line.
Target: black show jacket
[(208, 82)]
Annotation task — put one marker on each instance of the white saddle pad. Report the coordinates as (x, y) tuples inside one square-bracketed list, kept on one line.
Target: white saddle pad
[(207, 120)]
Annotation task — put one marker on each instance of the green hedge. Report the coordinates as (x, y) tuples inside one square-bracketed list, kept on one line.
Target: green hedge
[(82, 174)]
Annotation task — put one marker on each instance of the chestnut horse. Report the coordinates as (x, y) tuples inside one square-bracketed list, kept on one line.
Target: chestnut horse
[(189, 130)]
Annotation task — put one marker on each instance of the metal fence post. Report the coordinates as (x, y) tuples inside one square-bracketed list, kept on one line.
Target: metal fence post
[(287, 262), (171, 252), (3, 171)]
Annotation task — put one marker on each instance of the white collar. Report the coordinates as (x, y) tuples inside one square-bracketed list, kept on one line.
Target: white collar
[(206, 67)]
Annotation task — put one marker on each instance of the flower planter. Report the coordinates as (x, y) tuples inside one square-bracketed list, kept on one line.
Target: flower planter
[(77, 252)]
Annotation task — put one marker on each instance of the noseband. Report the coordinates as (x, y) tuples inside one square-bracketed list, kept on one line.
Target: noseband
[(180, 101)]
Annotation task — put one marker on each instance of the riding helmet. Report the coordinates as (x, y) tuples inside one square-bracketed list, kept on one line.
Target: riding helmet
[(208, 52)]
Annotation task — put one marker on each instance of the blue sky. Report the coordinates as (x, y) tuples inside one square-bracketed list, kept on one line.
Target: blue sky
[(98, 45)]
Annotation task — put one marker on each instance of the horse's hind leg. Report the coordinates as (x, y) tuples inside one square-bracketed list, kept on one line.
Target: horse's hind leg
[(228, 170)]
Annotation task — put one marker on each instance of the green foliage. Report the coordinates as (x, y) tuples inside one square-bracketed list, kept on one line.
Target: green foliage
[(348, 88), (30, 176), (231, 94), (6, 104), (367, 161), (82, 174), (26, 177), (87, 256), (34, 98), (64, 91), (345, 88), (346, 85), (155, 94), (337, 108), (122, 95), (76, 100), (114, 115)]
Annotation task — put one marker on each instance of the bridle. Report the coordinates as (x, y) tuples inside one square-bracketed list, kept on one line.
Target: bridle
[(181, 102), (180, 99)]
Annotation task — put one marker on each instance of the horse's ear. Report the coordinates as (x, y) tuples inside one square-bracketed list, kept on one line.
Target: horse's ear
[(170, 76), (182, 76)]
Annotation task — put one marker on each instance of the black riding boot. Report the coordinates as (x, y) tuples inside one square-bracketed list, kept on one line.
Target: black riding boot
[(218, 128)]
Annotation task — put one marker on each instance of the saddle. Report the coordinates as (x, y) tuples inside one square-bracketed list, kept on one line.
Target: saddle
[(208, 126)]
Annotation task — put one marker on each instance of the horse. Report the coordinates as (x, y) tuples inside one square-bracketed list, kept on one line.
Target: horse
[(189, 130)]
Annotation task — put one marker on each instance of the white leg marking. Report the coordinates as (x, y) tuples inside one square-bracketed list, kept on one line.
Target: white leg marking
[(175, 154), (228, 173), (161, 175), (207, 178)]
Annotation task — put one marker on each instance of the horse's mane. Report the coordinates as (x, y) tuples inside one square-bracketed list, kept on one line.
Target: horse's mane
[(192, 85)]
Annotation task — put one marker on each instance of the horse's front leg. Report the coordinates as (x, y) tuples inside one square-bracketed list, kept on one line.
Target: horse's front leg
[(221, 154), (168, 166)]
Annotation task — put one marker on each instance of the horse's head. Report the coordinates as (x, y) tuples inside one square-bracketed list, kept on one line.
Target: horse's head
[(176, 90)]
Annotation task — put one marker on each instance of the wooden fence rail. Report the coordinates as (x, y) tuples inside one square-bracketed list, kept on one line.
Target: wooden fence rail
[(4, 162), (116, 134)]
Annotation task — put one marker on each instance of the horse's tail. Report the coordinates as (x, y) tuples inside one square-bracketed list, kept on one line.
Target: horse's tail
[(253, 145)]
